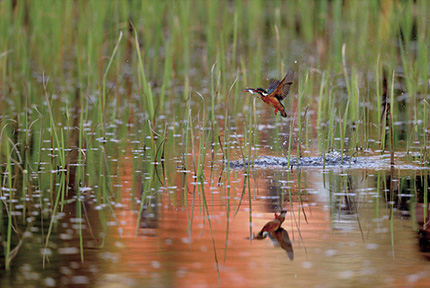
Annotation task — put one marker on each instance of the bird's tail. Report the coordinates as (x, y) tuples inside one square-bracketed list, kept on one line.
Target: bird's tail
[(283, 113)]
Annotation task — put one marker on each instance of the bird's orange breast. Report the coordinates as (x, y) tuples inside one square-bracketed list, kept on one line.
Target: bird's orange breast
[(272, 101), (271, 226)]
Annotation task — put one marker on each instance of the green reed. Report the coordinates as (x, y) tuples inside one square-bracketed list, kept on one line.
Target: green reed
[(300, 109), (331, 106), (147, 90), (225, 151), (425, 154), (321, 103), (349, 90), (423, 32), (426, 200), (184, 187), (200, 179), (9, 208), (392, 208)]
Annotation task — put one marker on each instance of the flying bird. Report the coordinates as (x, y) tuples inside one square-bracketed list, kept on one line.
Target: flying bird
[(277, 234), (276, 92)]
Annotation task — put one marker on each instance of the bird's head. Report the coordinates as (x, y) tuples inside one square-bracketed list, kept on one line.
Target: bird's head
[(282, 214), (260, 91)]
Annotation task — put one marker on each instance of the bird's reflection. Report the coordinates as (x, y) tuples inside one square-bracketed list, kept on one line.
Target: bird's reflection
[(277, 234)]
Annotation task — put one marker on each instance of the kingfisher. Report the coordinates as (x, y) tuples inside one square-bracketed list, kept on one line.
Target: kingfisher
[(277, 234), (276, 92), (273, 225)]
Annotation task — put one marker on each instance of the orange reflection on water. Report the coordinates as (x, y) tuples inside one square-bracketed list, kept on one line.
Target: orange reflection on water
[(334, 248)]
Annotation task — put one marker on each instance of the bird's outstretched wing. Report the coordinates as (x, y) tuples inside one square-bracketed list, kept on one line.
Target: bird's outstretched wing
[(283, 88), (272, 85), (284, 241)]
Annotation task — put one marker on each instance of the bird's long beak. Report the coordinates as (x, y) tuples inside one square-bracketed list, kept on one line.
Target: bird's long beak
[(250, 90)]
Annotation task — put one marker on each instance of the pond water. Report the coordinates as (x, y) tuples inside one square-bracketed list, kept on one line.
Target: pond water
[(348, 228)]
